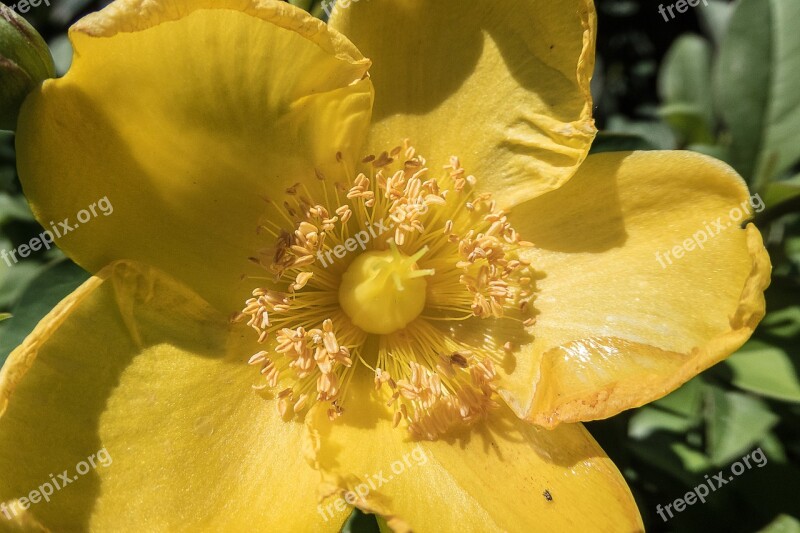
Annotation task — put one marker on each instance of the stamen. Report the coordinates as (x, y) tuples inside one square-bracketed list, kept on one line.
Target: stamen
[(446, 255)]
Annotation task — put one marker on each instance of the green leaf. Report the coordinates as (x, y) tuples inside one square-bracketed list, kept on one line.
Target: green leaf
[(14, 280), (14, 208), (647, 420), (779, 192), (619, 142), (713, 150), (44, 292), (767, 370), (688, 123), (667, 454), (686, 400), (715, 18), (5, 316), (783, 319), (655, 132), (684, 84), (782, 524), (61, 48), (735, 423), (758, 87), (692, 460), (773, 448)]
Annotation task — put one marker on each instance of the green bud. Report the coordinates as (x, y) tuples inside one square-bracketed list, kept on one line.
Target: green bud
[(25, 62)]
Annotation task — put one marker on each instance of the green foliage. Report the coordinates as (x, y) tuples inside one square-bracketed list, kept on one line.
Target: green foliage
[(767, 369), (685, 88), (42, 293), (783, 524), (733, 94)]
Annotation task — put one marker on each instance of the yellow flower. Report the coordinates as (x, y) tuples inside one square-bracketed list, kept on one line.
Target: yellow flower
[(435, 277)]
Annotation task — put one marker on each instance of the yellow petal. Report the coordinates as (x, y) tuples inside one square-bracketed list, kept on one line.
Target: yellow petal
[(138, 372), (503, 84), (504, 475), (620, 323), (186, 115)]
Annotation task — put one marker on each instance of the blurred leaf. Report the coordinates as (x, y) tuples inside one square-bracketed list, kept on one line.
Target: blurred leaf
[(783, 321), (693, 460), (773, 448), (767, 370), (14, 208), (6, 145), (7, 176), (684, 84), (783, 524), (792, 247), (619, 142), (779, 192), (735, 423), (360, 522), (715, 18), (758, 86), (14, 280), (620, 8), (654, 132), (49, 287), (688, 123), (648, 420), (686, 400), (5, 316), (663, 452), (713, 150), (61, 49)]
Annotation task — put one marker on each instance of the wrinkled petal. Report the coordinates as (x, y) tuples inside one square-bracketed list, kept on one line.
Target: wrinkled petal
[(619, 321), (140, 367), (503, 84), (503, 475), (186, 115)]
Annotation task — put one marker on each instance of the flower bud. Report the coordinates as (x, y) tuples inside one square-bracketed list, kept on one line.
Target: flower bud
[(25, 62)]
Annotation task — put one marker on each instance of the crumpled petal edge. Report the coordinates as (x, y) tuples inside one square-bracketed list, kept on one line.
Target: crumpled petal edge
[(608, 401), (126, 16)]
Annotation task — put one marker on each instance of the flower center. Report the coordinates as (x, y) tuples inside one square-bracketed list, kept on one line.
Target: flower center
[(437, 298), (383, 292)]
